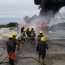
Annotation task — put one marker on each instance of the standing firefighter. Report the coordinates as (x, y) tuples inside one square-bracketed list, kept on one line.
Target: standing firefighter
[(32, 38), (22, 29), (16, 44), (27, 32), (10, 50), (40, 35), (23, 36), (41, 48), (14, 40)]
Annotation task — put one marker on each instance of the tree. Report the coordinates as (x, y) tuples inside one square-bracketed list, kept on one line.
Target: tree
[(12, 24)]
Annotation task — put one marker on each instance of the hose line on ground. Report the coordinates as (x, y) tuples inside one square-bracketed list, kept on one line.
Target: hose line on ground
[(21, 58)]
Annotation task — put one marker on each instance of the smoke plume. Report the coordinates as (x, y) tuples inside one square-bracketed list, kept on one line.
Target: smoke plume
[(49, 5)]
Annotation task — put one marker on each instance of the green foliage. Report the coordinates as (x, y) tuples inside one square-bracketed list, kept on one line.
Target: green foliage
[(12, 24), (3, 26)]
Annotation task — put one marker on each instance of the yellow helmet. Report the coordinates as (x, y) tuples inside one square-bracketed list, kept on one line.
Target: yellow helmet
[(10, 36), (41, 32), (14, 34), (43, 39)]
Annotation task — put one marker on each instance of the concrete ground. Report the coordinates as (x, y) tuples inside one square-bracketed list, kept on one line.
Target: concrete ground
[(27, 55)]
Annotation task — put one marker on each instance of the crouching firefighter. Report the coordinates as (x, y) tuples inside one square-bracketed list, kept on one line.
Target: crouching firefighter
[(41, 49), (10, 49)]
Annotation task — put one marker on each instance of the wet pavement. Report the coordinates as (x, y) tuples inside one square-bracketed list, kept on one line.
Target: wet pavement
[(27, 54)]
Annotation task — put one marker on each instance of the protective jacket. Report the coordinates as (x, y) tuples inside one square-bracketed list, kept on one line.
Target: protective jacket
[(41, 47), (39, 36), (10, 46)]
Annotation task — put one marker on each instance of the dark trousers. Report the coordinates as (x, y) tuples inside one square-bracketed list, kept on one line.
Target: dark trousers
[(42, 54), (11, 61)]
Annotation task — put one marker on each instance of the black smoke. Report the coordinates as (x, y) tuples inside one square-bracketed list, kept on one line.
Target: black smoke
[(49, 5)]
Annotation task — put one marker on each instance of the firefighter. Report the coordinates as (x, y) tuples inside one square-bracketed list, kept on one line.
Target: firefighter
[(22, 29), (28, 34), (40, 35), (23, 36), (17, 44), (27, 31), (14, 39), (33, 35), (41, 48), (32, 30), (10, 49)]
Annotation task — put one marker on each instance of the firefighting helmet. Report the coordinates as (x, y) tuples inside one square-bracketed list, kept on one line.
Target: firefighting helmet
[(43, 39), (10, 36), (14, 34), (41, 32)]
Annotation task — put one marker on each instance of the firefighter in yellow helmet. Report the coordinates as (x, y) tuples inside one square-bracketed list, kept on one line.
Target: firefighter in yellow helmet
[(33, 35), (27, 32), (22, 29), (23, 36), (40, 35), (41, 48), (17, 43), (10, 49), (15, 40)]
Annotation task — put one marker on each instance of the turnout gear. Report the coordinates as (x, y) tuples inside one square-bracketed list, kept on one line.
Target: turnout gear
[(23, 36), (41, 49), (10, 45), (22, 29), (11, 55), (11, 61), (14, 40), (29, 30), (39, 36), (32, 38), (10, 49), (33, 34)]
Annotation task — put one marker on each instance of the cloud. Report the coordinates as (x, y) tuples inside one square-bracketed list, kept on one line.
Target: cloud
[(17, 8)]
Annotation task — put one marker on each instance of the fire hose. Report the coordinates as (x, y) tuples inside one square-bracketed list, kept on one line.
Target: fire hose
[(19, 59)]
